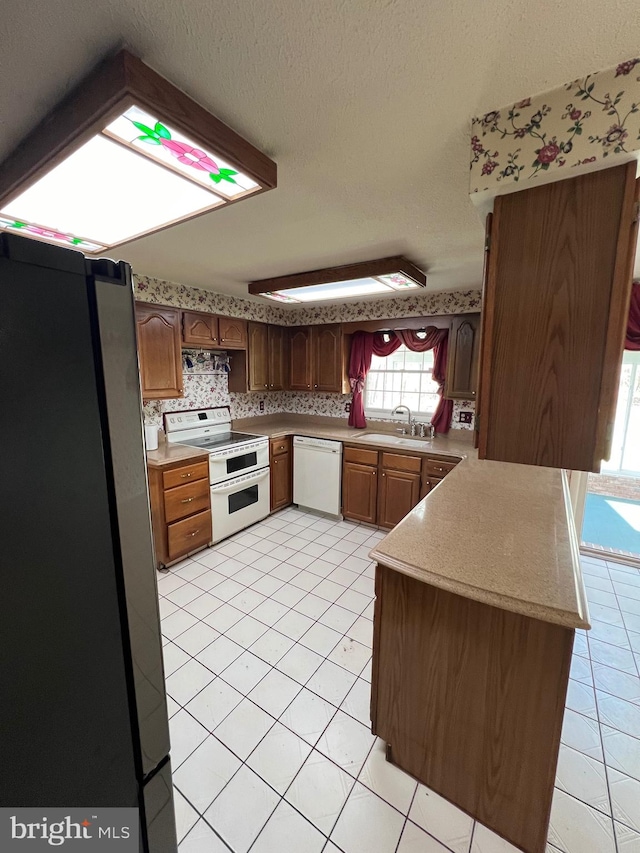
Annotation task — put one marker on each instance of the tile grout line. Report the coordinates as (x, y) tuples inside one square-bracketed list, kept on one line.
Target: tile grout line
[(324, 658), (604, 754)]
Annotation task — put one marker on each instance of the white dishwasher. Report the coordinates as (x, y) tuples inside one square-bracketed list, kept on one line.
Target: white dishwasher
[(317, 473)]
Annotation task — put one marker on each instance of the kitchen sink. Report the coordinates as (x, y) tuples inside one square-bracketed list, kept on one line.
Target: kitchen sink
[(399, 440)]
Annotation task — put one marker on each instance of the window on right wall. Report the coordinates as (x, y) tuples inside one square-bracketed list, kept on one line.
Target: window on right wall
[(402, 378)]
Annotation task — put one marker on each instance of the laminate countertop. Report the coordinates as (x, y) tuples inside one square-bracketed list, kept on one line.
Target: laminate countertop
[(336, 429), (169, 454), (498, 533)]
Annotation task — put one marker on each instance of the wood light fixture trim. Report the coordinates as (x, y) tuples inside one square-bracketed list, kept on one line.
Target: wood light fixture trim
[(328, 275), (118, 83)]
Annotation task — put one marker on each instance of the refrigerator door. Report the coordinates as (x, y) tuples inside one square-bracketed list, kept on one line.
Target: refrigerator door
[(68, 737), (158, 805), (127, 464)]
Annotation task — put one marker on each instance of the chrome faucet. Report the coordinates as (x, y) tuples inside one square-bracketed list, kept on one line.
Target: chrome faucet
[(396, 411), (411, 422)]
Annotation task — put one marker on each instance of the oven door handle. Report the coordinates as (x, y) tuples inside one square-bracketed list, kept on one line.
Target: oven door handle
[(241, 451), (224, 488)]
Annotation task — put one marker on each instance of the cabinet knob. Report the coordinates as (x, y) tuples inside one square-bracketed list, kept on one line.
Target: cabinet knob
[(186, 501), (195, 533), (383, 474), (266, 386), (186, 475)]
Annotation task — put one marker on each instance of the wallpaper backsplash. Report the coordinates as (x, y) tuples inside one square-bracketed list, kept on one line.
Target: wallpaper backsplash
[(205, 387), (587, 120)]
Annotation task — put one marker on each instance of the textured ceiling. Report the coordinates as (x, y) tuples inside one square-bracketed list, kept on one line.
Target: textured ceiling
[(364, 104)]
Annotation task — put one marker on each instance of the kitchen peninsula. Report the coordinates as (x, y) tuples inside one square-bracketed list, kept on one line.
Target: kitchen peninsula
[(473, 633)]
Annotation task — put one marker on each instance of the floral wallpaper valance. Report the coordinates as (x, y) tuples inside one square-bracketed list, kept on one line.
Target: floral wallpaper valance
[(575, 125)]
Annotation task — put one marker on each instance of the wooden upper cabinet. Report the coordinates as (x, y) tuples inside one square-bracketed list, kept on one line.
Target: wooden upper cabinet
[(300, 359), (555, 314), (199, 329), (318, 359), (233, 333), (462, 358), (258, 356), (327, 358), (159, 353), (277, 357)]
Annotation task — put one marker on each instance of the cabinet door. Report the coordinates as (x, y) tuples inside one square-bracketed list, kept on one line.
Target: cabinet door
[(277, 362), (327, 358), (399, 493), (557, 304), (258, 356), (300, 359), (427, 485), (359, 492), (199, 329), (233, 333), (462, 358), (281, 480), (159, 352)]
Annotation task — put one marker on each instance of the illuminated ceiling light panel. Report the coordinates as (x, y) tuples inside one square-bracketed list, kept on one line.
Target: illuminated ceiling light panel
[(163, 144), (127, 154), (30, 229), (370, 278), (77, 196)]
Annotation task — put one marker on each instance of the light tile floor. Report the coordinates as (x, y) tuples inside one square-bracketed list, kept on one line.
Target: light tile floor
[(268, 659)]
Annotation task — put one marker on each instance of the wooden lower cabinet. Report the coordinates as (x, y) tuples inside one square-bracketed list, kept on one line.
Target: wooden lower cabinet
[(359, 492), (382, 487), (470, 700), (281, 465), (180, 509), (399, 493)]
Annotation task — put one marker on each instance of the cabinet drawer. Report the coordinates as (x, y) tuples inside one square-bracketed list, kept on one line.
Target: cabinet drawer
[(280, 445), (186, 500), (361, 456), (189, 534), (437, 467), (185, 474), (399, 462)]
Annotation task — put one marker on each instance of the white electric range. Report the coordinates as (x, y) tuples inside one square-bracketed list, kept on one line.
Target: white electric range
[(238, 466)]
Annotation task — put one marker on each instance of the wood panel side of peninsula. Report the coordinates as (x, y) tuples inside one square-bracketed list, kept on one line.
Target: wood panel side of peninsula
[(470, 700)]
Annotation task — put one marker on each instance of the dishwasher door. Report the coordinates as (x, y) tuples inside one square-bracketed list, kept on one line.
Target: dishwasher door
[(317, 474)]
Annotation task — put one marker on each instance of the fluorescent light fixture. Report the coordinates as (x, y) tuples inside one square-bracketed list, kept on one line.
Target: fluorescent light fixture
[(369, 278), (126, 154)]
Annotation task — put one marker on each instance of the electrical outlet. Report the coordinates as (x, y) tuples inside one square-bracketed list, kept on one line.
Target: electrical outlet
[(465, 417), (347, 407), (262, 405)]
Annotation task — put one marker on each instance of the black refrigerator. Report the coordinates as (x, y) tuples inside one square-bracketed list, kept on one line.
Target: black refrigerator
[(83, 716)]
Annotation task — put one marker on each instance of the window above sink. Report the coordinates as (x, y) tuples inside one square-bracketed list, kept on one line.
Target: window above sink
[(402, 378)]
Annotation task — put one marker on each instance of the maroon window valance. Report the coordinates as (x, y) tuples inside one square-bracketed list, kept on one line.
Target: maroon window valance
[(632, 340), (366, 344)]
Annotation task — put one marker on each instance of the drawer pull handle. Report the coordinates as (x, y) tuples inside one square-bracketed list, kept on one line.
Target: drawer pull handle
[(195, 533), (186, 501), (187, 475)]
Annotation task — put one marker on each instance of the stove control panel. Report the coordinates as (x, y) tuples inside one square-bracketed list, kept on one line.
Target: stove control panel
[(174, 421)]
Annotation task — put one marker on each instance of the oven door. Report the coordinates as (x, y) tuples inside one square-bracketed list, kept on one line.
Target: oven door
[(238, 503), (224, 464)]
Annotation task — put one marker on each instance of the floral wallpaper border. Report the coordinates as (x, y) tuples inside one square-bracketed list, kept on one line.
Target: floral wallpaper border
[(148, 289), (572, 126)]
